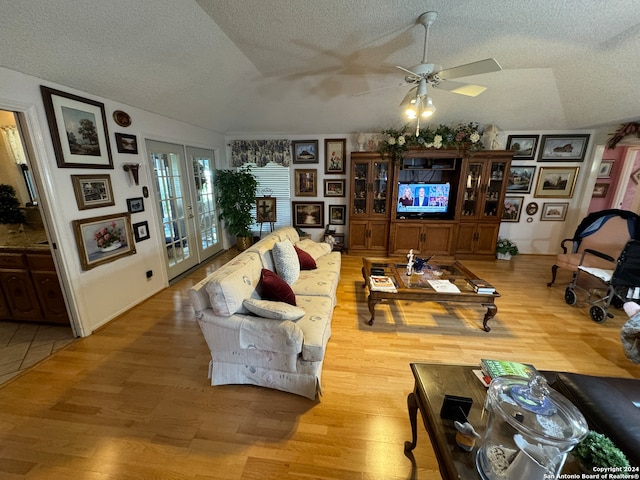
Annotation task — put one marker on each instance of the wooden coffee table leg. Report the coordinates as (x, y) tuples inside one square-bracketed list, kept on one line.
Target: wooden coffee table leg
[(491, 312), (412, 404), (372, 302)]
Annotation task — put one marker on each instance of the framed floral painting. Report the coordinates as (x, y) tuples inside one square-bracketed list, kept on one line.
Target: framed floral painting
[(512, 208), (103, 239)]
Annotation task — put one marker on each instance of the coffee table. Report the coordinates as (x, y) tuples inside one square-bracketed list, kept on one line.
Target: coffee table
[(432, 382), (417, 289)]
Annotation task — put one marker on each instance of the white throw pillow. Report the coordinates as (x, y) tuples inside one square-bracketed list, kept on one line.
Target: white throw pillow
[(274, 310), (285, 259)]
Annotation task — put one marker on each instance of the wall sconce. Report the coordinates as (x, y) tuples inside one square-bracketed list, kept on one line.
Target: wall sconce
[(132, 168)]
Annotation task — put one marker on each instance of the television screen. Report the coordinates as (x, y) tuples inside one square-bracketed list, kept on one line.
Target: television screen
[(417, 200)]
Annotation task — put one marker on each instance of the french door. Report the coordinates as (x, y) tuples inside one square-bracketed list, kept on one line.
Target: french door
[(185, 200)]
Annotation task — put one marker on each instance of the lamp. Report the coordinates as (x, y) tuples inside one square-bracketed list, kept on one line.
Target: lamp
[(418, 104)]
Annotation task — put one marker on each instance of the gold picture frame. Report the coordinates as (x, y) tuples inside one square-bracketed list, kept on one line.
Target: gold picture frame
[(92, 191), (103, 239), (306, 181), (556, 182)]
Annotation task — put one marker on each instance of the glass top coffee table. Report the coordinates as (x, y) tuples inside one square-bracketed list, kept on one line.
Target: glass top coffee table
[(417, 288)]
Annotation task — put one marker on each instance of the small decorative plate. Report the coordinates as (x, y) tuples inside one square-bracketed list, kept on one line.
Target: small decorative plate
[(532, 208), (122, 118)]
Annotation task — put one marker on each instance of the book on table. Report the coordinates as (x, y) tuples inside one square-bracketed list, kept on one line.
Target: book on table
[(443, 286), (381, 283), (481, 286), (498, 368)]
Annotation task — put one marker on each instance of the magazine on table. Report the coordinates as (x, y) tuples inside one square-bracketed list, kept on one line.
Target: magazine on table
[(381, 283), (443, 286), (498, 368)]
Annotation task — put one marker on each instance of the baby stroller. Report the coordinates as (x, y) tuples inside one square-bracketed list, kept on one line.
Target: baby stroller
[(621, 283)]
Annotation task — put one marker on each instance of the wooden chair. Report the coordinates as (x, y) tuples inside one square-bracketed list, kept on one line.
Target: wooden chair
[(607, 231)]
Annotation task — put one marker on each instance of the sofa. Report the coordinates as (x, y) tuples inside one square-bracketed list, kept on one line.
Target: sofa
[(610, 405), (255, 337)]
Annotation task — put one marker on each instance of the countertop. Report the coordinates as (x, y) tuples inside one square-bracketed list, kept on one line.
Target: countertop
[(14, 237)]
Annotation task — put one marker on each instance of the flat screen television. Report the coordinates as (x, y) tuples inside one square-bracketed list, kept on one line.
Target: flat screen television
[(424, 201)]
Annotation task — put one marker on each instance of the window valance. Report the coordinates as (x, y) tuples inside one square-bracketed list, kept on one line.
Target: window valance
[(260, 152)]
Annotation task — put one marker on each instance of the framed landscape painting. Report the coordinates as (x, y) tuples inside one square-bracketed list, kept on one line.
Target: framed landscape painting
[(78, 129), (523, 146), (600, 190), (305, 151), (563, 148), (92, 191), (334, 188), (556, 182), (308, 214), (520, 179), (554, 212)]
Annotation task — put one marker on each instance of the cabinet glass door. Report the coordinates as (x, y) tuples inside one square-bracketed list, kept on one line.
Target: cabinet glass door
[(380, 187), (495, 182), (472, 189), (360, 187)]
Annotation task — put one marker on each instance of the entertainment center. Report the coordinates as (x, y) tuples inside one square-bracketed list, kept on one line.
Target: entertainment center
[(436, 202)]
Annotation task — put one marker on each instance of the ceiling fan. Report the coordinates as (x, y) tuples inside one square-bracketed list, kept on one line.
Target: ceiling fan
[(418, 103)]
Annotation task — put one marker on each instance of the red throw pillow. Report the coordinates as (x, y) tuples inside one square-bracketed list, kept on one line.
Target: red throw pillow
[(272, 287), (306, 261)]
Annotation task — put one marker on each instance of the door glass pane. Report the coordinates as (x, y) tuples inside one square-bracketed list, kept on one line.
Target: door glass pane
[(496, 179), (472, 189), (171, 201), (380, 172), (360, 183), (203, 181)]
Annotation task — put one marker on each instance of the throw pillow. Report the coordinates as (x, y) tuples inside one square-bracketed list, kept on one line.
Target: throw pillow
[(315, 249), (285, 259), (272, 287), (306, 261), (274, 310)]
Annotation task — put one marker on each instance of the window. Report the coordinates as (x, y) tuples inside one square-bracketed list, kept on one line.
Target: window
[(273, 179)]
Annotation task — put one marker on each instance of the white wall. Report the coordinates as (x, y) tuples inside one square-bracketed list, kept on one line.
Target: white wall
[(98, 295)]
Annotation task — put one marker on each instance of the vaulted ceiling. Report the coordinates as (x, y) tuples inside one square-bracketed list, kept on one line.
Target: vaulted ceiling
[(293, 66)]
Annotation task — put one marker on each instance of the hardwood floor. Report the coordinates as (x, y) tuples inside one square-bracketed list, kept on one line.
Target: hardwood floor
[(132, 401)]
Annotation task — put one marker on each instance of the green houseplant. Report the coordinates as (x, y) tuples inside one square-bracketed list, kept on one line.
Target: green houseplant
[(10, 206), (236, 196), (597, 450), (505, 249)]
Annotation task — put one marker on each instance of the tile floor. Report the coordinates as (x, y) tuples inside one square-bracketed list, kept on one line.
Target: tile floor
[(22, 345)]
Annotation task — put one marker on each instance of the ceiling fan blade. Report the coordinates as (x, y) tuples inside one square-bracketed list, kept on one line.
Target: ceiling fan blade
[(487, 65), (395, 85), (408, 71), (460, 88)]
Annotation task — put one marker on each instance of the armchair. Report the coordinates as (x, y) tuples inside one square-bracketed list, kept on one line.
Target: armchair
[(607, 231)]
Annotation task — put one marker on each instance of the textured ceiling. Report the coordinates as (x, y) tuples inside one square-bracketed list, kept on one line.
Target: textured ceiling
[(278, 66)]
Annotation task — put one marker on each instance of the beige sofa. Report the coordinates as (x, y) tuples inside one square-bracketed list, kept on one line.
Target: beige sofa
[(251, 349)]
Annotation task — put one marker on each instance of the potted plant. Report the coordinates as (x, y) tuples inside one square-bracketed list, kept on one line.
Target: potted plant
[(505, 249), (597, 450), (10, 212), (236, 196)]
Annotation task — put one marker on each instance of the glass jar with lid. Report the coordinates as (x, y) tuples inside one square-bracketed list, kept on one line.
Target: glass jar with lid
[(530, 430)]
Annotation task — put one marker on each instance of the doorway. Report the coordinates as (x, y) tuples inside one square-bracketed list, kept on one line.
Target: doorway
[(183, 181)]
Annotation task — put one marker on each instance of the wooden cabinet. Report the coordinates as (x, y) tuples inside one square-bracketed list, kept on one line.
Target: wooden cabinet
[(29, 288), (369, 210), (433, 238), (480, 200)]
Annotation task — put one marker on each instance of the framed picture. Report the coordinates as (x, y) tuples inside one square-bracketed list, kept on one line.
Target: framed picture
[(334, 188), (135, 205), (141, 231), (92, 191), (520, 179), (556, 182), (554, 212), (334, 152), (306, 182), (308, 214), (605, 168), (600, 190), (78, 130), (266, 209), (305, 151), (126, 143), (337, 214), (523, 146), (512, 208), (103, 239), (635, 176), (563, 148)]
